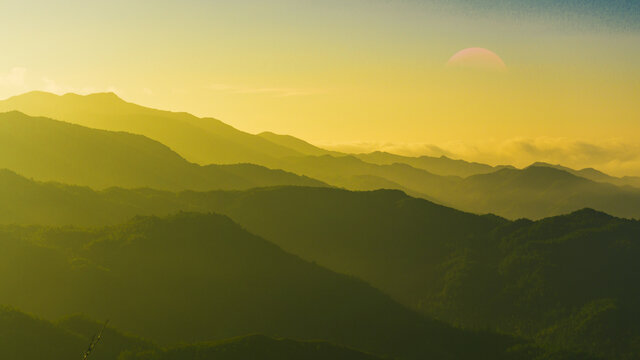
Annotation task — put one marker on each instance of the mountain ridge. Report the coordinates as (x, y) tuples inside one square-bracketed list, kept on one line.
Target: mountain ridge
[(201, 140), (49, 149), (147, 276), (430, 258), (469, 190)]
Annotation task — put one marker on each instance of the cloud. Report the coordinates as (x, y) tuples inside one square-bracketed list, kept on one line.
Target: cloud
[(19, 80), (14, 79), (273, 91), (407, 149), (52, 86), (612, 156)]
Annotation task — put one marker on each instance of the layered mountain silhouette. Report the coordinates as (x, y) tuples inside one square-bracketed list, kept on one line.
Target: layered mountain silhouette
[(353, 173), (200, 140), (475, 187), (25, 337), (437, 165), (48, 149), (565, 281), (534, 192), (258, 347), (596, 175), (195, 235), (301, 146), (540, 191), (562, 280), (199, 277)]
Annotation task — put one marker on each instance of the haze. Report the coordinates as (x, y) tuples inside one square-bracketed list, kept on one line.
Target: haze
[(357, 75), (319, 180)]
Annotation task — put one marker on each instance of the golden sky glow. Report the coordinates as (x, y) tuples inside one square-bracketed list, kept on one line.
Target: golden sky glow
[(348, 72)]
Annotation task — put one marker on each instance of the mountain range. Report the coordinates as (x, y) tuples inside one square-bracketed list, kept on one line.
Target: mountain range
[(209, 242), (533, 192), (200, 140), (201, 277), (48, 149), (474, 271), (29, 338)]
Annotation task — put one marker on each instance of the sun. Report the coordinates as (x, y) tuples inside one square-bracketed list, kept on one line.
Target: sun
[(477, 58)]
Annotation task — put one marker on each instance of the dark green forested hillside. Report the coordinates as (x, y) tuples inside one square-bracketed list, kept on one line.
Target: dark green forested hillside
[(47, 149), (567, 280), (256, 347), (26, 201), (475, 271), (394, 241), (24, 337), (113, 342), (190, 277)]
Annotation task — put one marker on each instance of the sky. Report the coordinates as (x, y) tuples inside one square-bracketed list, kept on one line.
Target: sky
[(356, 75)]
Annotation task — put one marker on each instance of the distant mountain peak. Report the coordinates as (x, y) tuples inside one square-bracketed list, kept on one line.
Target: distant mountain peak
[(542, 163), (12, 114), (40, 93), (109, 95), (551, 173), (200, 140), (590, 212)]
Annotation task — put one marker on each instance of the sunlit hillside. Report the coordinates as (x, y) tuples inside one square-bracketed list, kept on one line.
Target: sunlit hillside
[(320, 180)]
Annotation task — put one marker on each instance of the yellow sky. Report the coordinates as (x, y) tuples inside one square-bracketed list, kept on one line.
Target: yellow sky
[(337, 72)]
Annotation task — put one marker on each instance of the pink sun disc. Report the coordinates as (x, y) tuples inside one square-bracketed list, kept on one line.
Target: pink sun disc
[(476, 58)]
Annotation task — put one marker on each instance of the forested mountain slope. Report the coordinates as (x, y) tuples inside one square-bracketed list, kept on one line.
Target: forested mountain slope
[(200, 140), (456, 266), (193, 277), (48, 149)]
